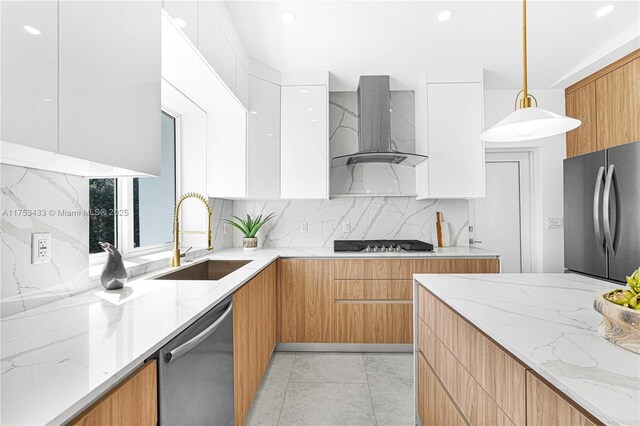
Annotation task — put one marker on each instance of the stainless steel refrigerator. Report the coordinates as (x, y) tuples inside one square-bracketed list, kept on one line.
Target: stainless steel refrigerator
[(602, 212)]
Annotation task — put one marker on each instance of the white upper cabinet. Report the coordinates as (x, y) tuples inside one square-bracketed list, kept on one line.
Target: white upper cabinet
[(81, 87), (29, 74), (224, 153), (209, 35), (304, 150), (185, 16), (228, 64), (449, 120), (263, 139), (109, 83), (242, 83)]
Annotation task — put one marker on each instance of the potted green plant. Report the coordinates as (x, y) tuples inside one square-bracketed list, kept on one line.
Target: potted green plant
[(249, 229)]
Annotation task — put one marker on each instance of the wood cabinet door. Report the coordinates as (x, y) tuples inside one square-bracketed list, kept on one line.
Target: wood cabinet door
[(435, 407), (254, 337), (581, 104), (546, 407), (618, 106), (134, 402), (305, 297), (373, 311)]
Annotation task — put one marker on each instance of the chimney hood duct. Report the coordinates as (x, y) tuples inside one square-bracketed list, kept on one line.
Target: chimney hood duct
[(374, 119)]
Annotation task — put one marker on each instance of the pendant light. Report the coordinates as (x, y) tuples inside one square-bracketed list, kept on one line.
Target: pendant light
[(528, 122)]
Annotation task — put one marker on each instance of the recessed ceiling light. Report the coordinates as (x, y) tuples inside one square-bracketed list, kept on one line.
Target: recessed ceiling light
[(254, 112), (46, 99), (304, 91), (288, 17), (605, 10), (180, 23), (445, 15), (314, 119), (31, 30)]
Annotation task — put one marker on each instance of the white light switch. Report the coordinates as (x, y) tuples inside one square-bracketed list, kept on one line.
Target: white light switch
[(40, 248), (304, 227), (346, 227)]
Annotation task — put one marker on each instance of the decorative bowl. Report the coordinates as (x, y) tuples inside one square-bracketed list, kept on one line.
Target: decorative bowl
[(620, 325)]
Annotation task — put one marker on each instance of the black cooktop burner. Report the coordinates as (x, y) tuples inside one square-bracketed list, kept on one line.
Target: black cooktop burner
[(381, 245)]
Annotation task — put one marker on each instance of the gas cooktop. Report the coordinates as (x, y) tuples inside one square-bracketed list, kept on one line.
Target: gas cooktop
[(381, 245)]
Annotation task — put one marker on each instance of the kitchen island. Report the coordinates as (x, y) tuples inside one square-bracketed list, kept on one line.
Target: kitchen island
[(526, 346)]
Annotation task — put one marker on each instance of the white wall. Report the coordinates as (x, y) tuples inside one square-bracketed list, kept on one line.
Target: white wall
[(548, 156)]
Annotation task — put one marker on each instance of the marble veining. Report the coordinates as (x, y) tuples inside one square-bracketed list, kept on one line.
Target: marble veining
[(26, 286), (370, 217), (371, 179), (548, 322)]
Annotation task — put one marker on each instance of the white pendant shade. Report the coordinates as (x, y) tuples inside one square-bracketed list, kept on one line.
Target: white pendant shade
[(529, 123)]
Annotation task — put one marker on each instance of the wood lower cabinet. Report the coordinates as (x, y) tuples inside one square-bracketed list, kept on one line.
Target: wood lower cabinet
[(484, 382), (546, 407), (356, 300), (305, 301), (373, 311), (435, 406), (254, 337), (133, 402)]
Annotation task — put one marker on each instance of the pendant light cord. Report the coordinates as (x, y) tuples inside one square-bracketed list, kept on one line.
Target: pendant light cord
[(524, 49)]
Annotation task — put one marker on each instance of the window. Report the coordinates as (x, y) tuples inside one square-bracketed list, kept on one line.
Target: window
[(136, 214)]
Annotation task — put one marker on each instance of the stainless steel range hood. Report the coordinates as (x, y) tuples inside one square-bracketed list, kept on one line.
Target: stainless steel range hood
[(374, 119)]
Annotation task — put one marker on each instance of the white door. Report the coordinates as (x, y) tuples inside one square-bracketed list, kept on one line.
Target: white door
[(502, 220)]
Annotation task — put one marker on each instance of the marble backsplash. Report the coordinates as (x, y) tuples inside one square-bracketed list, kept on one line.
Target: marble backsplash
[(369, 217), (371, 179), (25, 286)]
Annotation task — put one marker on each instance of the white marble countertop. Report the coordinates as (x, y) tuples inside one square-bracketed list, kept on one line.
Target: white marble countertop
[(548, 322), (58, 358)]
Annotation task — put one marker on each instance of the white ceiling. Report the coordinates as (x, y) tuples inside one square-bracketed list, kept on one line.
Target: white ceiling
[(400, 38)]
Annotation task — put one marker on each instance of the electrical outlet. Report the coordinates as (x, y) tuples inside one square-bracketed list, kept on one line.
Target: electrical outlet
[(40, 248), (304, 227), (346, 227), (555, 223)]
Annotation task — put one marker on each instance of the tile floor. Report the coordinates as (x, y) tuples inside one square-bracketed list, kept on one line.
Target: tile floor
[(326, 389)]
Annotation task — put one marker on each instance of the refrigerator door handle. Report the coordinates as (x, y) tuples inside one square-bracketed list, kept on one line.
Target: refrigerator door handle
[(596, 211), (608, 233)]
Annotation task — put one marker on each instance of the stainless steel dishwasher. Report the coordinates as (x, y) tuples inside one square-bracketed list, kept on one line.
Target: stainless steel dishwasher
[(195, 372)]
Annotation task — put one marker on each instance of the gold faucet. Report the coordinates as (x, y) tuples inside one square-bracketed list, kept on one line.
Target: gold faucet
[(175, 258)]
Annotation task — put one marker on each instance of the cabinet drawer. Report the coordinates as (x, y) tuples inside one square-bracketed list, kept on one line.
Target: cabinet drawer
[(435, 407), (472, 400), (546, 407), (455, 266), (373, 290), (372, 269), (499, 374)]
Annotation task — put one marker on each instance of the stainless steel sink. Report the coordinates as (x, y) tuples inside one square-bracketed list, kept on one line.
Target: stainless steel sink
[(209, 270)]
